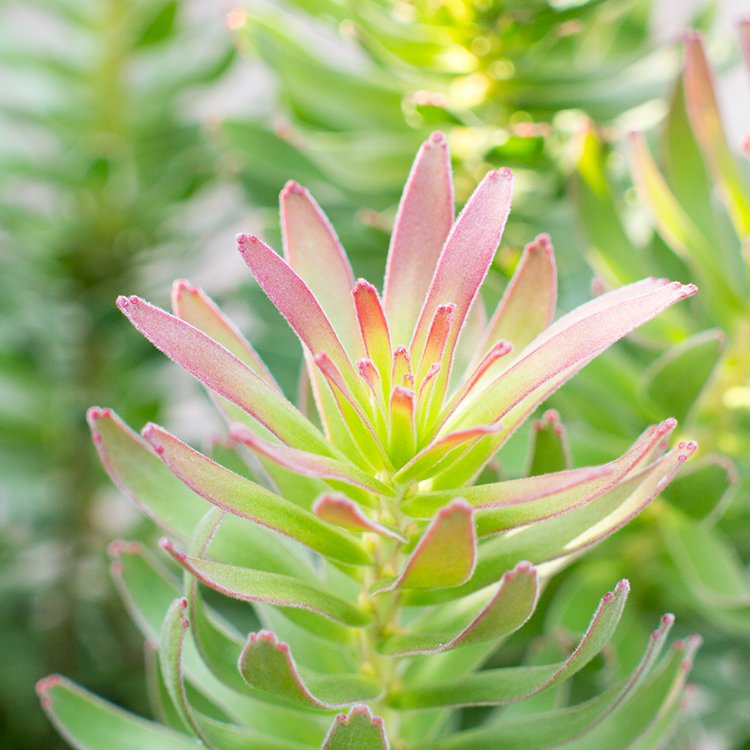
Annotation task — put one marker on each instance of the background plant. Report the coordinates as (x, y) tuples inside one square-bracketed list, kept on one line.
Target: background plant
[(101, 163), (698, 202), (414, 573)]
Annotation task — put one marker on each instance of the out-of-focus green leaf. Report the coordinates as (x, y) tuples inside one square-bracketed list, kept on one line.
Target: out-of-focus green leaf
[(549, 450), (160, 26), (89, 723), (674, 382), (704, 488), (709, 565)]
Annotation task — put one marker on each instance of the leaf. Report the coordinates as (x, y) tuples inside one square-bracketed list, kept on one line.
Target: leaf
[(358, 730), (223, 373), (424, 219), (642, 711), (509, 608), (675, 381), (341, 511), (517, 501), (373, 328), (704, 489), (566, 535), (563, 349), (528, 305), (267, 665), (550, 451), (464, 262), (313, 250), (503, 685), (297, 303), (311, 464), (703, 110), (539, 731), (445, 555), (270, 588), (191, 304), (238, 495), (138, 472), (676, 227), (707, 562), (89, 723)]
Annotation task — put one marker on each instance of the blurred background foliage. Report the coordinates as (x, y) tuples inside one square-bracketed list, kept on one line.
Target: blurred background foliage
[(118, 162)]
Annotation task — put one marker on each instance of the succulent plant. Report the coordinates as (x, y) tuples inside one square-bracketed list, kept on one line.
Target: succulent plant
[(385, 555)]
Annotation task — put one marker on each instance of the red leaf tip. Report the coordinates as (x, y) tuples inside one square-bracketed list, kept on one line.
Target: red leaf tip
[(182, 286), (43, 687), (501, 174), (123, 302), (667, 619), (438, 138), (691, 36), (623, 585), (292, 188), (167, 545), (686, 290), (244, 241), (667, 426)]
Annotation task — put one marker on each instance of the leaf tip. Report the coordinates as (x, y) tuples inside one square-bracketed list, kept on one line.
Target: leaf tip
[(292, 187), (119, 547), (44, 686)]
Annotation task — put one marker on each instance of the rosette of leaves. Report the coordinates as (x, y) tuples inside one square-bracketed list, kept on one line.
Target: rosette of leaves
[(384, 563), (492, 76), (99, 161)]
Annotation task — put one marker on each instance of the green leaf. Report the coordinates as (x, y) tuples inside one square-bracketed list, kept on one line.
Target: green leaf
[(549, 450), (267, 665), (89, 723), (565, 535), (674, 382), (509, 608), (271, 588), (160, 26), (541, 730), (643, 711), (138, 472), (359, 730), (171, 642), (494, 686), (704, 489), (236, 494), (707, 561), (445, 555)]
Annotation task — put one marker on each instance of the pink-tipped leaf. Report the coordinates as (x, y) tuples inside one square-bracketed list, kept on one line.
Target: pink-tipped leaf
[(313, 250), (373, 328), (528, 305), (218, 369), (267, 665), (191, 304), (341, 511), (424, 219), (270, 588), (705, 118), (510, 607), (465, 259), (561, 351), (296, 302), (357, 730), (240, 496), (504, 685), (445, 555)]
